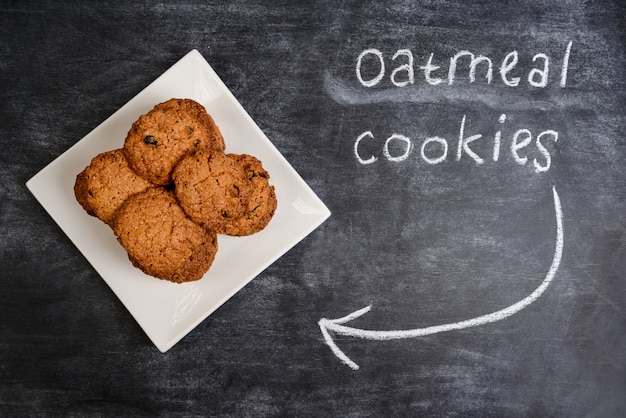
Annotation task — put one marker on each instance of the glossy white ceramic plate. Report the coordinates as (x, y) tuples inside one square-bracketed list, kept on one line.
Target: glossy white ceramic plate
[(168, 311)]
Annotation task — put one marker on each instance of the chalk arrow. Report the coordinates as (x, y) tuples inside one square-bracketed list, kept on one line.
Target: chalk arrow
[(337, 327)]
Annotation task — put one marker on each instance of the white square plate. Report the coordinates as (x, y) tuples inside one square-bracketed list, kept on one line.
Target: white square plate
[(168, 311)]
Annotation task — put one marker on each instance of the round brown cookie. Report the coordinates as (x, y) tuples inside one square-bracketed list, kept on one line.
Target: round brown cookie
[(261, 203), (212, 188), (159, 139), (161, 240), (106, 183)]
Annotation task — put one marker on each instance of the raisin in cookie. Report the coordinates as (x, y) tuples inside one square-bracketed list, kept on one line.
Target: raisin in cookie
[(159, 139), (161, 240), (106, 183)]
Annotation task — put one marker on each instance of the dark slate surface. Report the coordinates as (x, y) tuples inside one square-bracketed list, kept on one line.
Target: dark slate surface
[(423, 244)]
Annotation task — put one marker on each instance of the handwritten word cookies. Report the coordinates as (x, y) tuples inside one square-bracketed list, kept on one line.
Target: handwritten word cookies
[(435, 150)]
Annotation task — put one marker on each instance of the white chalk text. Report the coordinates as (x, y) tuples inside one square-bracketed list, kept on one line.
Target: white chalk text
[(436, 150)]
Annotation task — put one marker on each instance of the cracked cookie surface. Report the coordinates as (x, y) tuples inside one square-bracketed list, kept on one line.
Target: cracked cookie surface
[(228, 193), (106, 183), (161, 240), (158, 140)]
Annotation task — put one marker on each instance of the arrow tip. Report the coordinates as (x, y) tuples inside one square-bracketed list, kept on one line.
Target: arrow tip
[(324, 323)]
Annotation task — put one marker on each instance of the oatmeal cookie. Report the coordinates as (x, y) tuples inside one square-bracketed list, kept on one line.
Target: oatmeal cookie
[(228, 193), (212, 188), (261, 203), (161, 240), (158, 140), (106, 183)]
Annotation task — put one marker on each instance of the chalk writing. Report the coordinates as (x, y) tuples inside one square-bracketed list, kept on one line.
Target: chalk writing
[(371, 61), (434, 150), (371, 70)]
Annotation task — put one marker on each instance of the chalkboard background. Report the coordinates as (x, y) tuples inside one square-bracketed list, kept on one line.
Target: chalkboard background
[(423, 244)]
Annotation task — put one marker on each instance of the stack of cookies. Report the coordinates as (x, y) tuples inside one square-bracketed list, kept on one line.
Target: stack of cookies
[(172, 188)]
